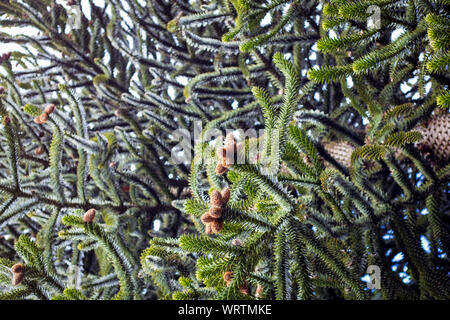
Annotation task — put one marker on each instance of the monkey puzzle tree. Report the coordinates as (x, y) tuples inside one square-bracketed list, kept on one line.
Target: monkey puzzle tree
[(350, 171)]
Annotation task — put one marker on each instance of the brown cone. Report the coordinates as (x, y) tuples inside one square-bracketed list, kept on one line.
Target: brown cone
[(243, 289), (17, 278), (435, 142), (89, 215), (43, 118), (341, 151), (225, 193), (220, 169), (216, 226), (38, 151), (436, 138), (215, 212), (208, 229), (216, 199), (17, 268), (50, 108), (206, 218), (227, 276)]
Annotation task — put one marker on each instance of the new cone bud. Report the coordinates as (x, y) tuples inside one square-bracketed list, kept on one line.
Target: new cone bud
[(50, 108), (220, 169), (38, 151), (17, 268), (216, 199), (43, 118), (89, 215), (206, 218), (243, 289), (215, 212), (225, 194), (226, 155), (17, 279), (216, 226), (208, 229), (227, 276)]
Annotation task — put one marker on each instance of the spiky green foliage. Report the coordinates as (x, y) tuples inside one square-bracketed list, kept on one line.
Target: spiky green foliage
[(305, 231), (301, 222)]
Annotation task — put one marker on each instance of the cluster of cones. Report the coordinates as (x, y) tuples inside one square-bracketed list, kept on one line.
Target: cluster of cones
[(44, 116), (212, 219), (228, 277), (226, 154), (17, 271)]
